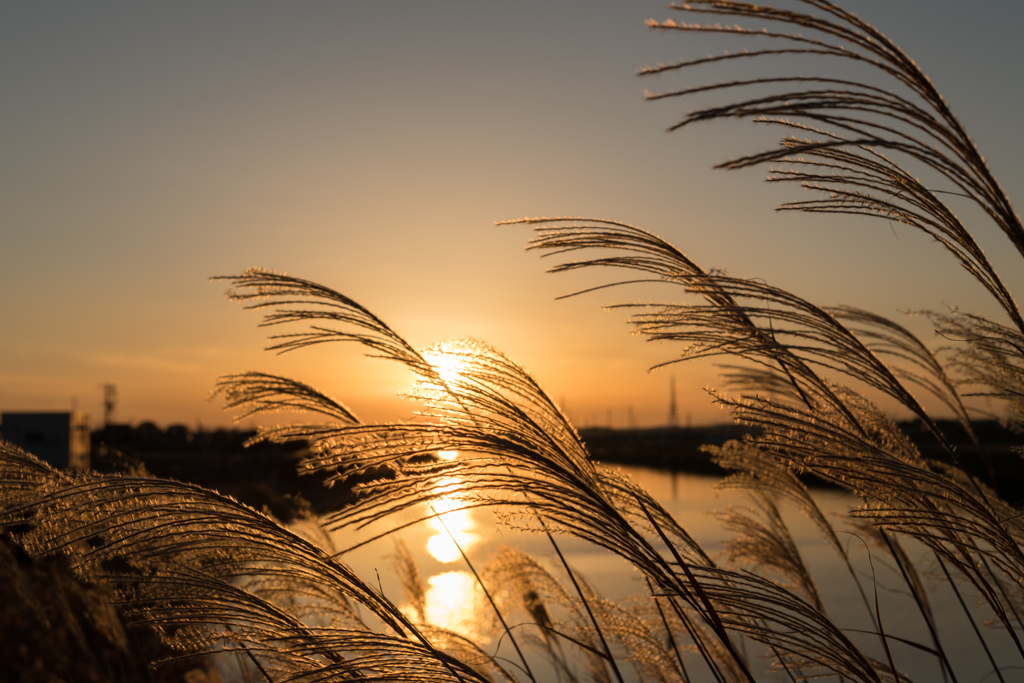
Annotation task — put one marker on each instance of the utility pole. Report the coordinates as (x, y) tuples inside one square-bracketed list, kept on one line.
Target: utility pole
[(673, 414), (109, 401)]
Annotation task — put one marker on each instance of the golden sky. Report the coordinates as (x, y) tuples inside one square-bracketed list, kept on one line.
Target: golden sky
[(371, 147)]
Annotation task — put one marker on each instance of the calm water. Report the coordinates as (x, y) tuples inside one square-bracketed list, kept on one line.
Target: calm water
[(451, 587)]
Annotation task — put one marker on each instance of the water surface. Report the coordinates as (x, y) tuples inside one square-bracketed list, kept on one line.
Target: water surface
[(453, 597)]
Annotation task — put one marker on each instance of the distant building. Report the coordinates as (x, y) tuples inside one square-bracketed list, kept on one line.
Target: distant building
[(61, 439)]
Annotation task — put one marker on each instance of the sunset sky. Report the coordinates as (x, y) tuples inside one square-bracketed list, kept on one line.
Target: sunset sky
[(371, 146)]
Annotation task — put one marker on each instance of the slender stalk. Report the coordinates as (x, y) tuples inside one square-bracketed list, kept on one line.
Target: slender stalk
[(919, 600), (490, 598), (712, 614), (668, 631), (697, 640), (881, 630), (970, 619), (586, 605)]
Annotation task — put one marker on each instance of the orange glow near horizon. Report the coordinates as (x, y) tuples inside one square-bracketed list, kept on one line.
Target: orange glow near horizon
[(281, 139)]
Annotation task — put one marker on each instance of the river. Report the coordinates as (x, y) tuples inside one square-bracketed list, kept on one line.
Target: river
[(452, 595)]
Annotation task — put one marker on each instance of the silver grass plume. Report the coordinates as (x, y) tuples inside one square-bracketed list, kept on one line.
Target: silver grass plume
[(519, 452), (845, 159), (208, 574)]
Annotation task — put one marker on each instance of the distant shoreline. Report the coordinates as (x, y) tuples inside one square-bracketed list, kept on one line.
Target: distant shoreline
[(265, 476)]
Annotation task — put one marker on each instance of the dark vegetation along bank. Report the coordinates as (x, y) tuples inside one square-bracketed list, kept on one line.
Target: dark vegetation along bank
[(205, 575), (267, 476), (998, 463)]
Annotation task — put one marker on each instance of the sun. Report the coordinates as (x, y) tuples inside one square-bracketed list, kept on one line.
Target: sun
[(447, 364)]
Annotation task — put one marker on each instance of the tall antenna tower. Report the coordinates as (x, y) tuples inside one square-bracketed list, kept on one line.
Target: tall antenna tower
[(109, 401), (673, 414)]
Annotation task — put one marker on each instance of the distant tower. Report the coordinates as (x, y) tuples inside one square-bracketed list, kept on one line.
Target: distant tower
[(673, 414), (109, 401), (632, 418)]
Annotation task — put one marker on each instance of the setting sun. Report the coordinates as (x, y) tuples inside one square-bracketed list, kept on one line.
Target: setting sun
[(448, 364)]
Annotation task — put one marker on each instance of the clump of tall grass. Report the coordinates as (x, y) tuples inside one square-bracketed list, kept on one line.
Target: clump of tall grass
[(211, 575)]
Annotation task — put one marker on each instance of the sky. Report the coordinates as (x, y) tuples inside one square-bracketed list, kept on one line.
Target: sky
[(145, 147)]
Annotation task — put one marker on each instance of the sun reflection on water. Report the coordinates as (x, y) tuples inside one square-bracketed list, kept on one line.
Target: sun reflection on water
[(452, 596), (452, 604), (444, 545)]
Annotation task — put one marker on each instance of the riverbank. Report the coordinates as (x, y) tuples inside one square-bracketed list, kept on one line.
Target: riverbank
[(266, 476)]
